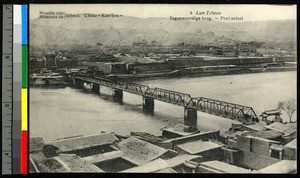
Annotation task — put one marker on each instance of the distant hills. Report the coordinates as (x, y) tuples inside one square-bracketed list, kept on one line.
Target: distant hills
[(126, 30)]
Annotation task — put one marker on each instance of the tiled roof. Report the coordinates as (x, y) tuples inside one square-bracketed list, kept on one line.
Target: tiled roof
[(268, 134), (282, 128), (139, 151)]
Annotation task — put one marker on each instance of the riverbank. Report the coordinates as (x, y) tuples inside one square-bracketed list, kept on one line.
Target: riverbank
[(198, 74)]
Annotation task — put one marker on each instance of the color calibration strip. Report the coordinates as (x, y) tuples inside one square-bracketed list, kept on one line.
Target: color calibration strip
[(24, 118), (20, 118)]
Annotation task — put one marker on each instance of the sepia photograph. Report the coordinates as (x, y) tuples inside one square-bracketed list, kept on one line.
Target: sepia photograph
[(163, 88)]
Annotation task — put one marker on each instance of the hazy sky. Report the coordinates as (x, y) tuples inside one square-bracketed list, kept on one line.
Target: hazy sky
[(249, 12)]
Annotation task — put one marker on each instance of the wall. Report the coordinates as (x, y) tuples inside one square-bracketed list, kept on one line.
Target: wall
[(253, 144), (214, 154), (231, 143), (231, 156), (255, 161), (289, 153), (243, 143), (145, 68), (260, 146)]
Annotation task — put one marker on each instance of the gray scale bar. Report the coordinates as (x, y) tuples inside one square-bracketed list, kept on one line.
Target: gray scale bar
[(7, 88), (17, 88)]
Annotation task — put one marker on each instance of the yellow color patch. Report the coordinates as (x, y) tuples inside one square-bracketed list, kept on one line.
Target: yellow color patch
[(24, 119)]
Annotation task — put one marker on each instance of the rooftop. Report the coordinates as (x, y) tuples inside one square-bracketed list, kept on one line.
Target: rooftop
[(138, 151), (292, 144), (223, 167), (151, 166), (272, 112), (283, 166), (254, 126), (283, 128), (76, 164), (160, 165), (81, 142), (180, 129), (180, 159), (36, 144), (199, 146), (267, 134)]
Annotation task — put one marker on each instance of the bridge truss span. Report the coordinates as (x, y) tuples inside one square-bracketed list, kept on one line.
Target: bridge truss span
[(224, 109), (174, 97)]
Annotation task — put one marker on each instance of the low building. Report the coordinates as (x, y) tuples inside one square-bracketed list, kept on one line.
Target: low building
[(282, 128), (290, 150), (66, 63), (266, 134), (115, 68), (207, 149), (178, 130), (289, 130), (257, 152), (166, 165), (82, 145), (61, 163), (140, 152), (102, 58), (271, 116), (74, 163), (50, 59)]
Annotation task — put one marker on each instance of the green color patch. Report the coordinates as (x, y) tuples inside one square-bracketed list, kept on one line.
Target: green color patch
[(24, 66)]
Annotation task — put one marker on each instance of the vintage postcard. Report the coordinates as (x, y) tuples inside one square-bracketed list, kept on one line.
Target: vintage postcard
[(162, 88)]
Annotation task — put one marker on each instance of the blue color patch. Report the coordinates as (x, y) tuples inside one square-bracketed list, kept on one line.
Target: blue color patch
[(24, 24)]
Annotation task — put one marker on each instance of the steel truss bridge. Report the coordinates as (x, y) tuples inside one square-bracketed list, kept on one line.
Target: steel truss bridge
[(224, 109)]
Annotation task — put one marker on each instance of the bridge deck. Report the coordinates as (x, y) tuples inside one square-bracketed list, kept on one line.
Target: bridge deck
[(233, 111)]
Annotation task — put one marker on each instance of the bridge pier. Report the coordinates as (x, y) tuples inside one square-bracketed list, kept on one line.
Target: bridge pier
[(118, 95), (148, 105), (95, 88), (190, 117)]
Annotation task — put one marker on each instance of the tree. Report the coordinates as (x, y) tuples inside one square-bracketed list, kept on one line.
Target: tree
[(288, 106)]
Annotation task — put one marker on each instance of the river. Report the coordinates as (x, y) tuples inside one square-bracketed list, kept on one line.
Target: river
[(57, 113)]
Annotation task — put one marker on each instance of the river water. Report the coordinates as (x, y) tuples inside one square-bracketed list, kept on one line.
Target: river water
[(57, 113)]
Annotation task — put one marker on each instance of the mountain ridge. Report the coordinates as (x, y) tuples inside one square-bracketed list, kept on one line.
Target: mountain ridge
[(126, 30)]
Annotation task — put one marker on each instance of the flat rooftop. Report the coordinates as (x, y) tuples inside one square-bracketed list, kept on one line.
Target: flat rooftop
[(221, 167), (82, 142), (281, 167), (180, 129), (199, 146)]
